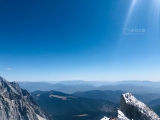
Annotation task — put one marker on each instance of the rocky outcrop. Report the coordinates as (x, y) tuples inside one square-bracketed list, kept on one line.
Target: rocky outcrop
[(134, 109), (121, 116), (17, 104)]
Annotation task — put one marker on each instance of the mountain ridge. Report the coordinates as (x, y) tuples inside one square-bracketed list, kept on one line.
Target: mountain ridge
[(135, 109), (18, 104), (133, 88)]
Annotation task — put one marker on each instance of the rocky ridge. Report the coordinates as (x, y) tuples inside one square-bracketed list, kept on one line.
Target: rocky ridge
[(18, 104), (135, 109)]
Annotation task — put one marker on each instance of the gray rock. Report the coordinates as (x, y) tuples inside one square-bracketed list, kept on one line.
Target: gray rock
[(134, 109), (17, 104)]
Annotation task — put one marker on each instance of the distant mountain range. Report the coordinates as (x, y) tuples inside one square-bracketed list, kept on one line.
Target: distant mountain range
[(115, 95), (101, 83), (132, 86), (104, 95)]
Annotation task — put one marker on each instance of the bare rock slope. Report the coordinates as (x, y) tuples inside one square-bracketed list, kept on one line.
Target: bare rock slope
[(134, 109), (17, 104)]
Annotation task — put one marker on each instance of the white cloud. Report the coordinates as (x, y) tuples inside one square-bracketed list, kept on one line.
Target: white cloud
[(9, 69)]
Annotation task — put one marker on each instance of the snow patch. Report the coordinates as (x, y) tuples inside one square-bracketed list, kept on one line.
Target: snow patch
[(105, 118), (121, 116), (57, 96), (83, 115), (40, 118), (38, 95)]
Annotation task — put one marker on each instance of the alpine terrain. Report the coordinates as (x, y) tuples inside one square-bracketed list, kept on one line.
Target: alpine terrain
[(133, 109), (17, 104)]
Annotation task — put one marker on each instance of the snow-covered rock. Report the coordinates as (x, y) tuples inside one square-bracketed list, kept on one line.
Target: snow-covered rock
[(17, 104), (134, 109), (121, 116), (105, 118)]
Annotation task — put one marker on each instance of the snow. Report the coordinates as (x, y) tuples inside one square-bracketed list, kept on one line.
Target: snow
[(38, 95), (57, 96), (121, 116), (129, 98), (81, 115), (105, 118), (40, 118)]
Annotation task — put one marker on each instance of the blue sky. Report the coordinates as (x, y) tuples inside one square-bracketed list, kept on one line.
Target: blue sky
[(80, 40)]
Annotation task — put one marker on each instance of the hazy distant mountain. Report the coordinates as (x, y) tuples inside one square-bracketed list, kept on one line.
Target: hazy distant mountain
[(142, 83), (17, 104), (98, 94), (115, 95), (65, 106), (130, 88), (33, 86), (100, 83), (93, 83), (74, 88)]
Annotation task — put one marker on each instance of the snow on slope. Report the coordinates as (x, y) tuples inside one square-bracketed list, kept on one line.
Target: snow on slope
[(121, 116), (105, 118), (135, 109), (40, 118)]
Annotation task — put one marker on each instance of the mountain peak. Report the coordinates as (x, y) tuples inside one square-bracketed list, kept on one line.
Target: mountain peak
[(11, 87), (135, 109), (17, 104)]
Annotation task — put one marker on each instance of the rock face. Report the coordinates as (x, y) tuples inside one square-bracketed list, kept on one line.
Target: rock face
[(134, 109), (17, 104), (121, 116)]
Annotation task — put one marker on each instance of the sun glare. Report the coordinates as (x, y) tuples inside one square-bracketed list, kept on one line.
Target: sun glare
[(132, 6)]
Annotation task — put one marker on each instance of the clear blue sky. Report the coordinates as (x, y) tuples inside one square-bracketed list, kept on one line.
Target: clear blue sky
[(79, 40)]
